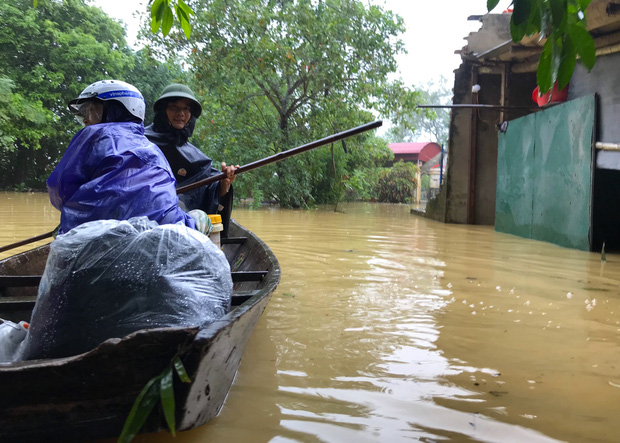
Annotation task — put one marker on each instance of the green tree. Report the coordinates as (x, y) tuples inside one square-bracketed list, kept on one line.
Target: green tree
[(277, 74), (398, 183), (21, 124), (432, 125), (151, 76), (562, 22), (51, 53)]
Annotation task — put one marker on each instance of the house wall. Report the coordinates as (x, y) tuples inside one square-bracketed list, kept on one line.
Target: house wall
[(454, 208), (604, 81), (486, 150), (456, 188)]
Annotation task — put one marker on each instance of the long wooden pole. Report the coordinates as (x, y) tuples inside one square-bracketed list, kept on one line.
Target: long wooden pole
[(284, 154), (27, 241), (257, 164)]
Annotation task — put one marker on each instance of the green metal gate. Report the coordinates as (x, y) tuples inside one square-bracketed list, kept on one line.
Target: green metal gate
[(544, 175)]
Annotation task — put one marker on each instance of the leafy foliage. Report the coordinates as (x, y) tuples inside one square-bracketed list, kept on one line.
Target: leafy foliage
[(162, 16), (159, 388), (21, 124), (151, 77), (563, 24), (49, 54), (397, 184)]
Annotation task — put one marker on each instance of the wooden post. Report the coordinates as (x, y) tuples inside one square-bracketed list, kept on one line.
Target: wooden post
[(418, 190)]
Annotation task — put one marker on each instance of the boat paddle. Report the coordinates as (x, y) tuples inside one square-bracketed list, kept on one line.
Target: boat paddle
[(257, 164)]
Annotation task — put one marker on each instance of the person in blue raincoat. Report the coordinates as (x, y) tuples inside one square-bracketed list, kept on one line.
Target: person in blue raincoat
[(176, 111), (110, 170)]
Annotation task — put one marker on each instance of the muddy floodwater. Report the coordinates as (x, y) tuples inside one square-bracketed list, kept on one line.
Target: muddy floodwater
[(387, 327)]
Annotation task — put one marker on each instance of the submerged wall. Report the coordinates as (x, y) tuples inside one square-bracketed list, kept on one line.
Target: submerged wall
[(544, 177)]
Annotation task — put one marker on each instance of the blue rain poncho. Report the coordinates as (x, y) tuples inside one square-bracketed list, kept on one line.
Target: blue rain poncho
[(112, 171)]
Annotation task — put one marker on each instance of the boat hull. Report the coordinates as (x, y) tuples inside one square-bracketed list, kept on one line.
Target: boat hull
[(89, 396)]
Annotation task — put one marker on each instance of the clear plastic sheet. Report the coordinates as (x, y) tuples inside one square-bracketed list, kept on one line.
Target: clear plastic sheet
[(109, 278)]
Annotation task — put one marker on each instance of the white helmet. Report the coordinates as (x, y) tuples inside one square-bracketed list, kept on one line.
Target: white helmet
[(117, 90)]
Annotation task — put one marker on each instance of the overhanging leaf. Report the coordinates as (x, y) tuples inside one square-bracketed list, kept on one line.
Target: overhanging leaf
[(491, 4), (185, 8), (155, 25), (187, 29), (521, 12), (534, 24), (157, 9), (584, 44), (517, 31), (167, 20), (184, 21), (583, 4), (558, 13), (544, 74), (181, 14), (567, 63)]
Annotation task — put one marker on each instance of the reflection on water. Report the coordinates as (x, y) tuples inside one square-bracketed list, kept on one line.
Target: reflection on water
[(389, 327)]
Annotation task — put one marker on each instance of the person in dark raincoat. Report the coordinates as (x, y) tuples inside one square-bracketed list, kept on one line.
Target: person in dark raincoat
[(110, 170), (176, 111)]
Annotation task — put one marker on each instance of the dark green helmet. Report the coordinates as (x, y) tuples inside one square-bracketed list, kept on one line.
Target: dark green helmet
[(176, 91)]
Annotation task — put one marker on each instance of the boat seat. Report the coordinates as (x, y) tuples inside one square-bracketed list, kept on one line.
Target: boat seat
[(23, 281)]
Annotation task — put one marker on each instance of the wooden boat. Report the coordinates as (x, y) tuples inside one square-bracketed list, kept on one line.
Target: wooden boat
[(89, 396)]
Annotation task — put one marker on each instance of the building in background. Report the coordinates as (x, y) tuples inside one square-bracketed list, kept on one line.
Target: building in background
[(549, 172), (414, 152)]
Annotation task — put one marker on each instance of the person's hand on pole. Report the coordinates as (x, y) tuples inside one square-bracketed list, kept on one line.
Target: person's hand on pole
[(230, 177)]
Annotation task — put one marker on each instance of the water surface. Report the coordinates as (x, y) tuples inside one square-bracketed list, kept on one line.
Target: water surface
[(388, 327)]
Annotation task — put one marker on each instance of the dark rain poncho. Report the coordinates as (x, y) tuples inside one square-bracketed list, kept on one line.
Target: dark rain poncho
[(112, 171), (189, 164)]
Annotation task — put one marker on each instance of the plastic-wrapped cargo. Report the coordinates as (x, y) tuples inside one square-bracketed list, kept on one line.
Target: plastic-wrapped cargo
[(108, 278), (12, 336)]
